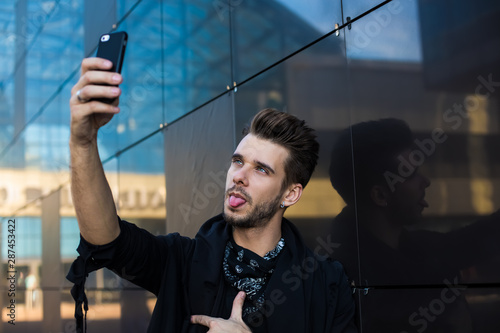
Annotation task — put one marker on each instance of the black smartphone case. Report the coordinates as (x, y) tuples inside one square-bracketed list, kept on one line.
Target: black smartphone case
[(112, 47)]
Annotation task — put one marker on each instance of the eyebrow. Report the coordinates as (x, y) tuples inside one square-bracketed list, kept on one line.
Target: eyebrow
[(259, 163)]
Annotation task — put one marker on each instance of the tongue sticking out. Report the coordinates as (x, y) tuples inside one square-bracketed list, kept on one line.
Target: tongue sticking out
[(235, 201)]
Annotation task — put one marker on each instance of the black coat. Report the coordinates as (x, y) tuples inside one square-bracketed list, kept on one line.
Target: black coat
[(304, 294)]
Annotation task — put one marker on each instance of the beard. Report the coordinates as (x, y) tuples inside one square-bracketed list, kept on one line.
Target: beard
[(258, 216)]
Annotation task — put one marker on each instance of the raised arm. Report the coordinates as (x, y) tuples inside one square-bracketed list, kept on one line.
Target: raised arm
[(92, 198)]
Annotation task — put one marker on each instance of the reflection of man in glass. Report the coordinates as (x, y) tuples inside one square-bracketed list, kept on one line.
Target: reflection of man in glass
[(246, 264), (374, 168)]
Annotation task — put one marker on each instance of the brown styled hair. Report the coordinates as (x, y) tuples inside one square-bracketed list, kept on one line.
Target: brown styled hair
[(293, 134)]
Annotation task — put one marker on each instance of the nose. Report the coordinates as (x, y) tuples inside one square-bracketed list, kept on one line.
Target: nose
[(240, 176)]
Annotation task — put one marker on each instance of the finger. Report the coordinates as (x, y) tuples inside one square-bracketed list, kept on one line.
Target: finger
[(237, 311), (201, 320), (102, 77), (86, 109), (88, 93), (97, 78), (95, 64)]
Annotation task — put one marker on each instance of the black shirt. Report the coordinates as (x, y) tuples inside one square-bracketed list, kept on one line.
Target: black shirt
[(186, 276)]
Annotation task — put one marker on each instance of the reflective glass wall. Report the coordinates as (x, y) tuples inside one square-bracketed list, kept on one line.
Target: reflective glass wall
[(424, 246), (403, 94)]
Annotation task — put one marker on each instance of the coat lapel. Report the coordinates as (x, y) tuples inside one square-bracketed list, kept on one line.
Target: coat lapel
[(285, 294), (206, 266)]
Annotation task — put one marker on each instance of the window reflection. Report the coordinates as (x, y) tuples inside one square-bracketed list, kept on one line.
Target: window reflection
[(443, 96)]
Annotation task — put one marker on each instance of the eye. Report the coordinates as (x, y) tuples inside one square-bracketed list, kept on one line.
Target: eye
[(262, 170), (237, 161)]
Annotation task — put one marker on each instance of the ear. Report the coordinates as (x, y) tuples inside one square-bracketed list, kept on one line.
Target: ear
[(293, 194), (379, 196)]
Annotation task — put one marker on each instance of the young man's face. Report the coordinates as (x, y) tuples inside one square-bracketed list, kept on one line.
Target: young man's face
[(408, 200), (254, 182)]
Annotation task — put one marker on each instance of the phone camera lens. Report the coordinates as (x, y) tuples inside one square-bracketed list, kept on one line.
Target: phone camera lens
[(104, 38)]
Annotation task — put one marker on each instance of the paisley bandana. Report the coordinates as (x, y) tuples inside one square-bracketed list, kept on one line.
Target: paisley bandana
[(249, 272)]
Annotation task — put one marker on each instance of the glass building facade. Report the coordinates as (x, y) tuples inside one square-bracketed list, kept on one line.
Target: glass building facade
[(195, 73)]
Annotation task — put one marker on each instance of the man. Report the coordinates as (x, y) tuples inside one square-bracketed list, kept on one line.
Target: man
[(248, 264), (385, 195)]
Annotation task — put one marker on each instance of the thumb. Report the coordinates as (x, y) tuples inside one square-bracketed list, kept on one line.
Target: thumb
[(236, 312)]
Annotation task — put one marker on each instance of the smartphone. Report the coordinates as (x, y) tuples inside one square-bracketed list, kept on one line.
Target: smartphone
[(112, 47)]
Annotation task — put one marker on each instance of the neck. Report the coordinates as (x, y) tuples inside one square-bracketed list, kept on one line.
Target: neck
[(259, 240), (381, 227)]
